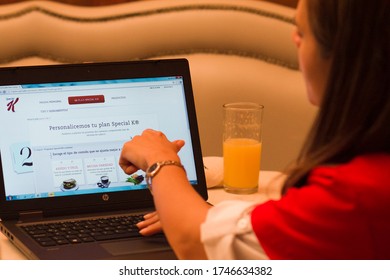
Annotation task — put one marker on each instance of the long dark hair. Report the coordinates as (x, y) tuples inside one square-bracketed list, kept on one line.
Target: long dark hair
[(354, 115)]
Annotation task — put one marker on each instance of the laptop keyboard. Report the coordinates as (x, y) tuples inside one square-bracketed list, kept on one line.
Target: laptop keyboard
[(81, 231)]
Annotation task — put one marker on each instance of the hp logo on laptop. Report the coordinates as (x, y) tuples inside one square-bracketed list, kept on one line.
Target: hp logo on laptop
[(105, 197)]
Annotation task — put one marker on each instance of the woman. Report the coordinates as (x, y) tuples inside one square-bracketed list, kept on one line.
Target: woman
[(336, 199)]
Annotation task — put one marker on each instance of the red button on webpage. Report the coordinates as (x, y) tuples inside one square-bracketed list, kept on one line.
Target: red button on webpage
[(72, 100)]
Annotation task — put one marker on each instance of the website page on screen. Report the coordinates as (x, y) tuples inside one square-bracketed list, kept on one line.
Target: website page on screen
[(66, 138)]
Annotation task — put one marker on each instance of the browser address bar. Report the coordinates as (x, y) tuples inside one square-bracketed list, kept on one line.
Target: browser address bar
[(49, 88)]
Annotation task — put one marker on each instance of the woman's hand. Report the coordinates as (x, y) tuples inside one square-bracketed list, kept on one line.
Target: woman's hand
[(174, 202), (146, 149), (151, 225)]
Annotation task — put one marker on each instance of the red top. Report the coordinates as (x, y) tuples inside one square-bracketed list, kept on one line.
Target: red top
[(343, 212)]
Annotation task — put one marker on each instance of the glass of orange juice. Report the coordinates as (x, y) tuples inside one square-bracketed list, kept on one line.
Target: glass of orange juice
[(242, 126)]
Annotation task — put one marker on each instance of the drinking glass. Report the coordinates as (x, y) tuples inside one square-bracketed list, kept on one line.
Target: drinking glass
[(242, 127)]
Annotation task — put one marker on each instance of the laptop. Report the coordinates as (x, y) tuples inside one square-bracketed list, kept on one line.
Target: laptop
[(63, 129)]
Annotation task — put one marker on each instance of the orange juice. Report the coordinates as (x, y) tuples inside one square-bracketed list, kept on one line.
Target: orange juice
[(242, 158)]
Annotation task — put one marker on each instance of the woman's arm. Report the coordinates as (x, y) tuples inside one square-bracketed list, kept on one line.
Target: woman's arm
[(181, 210)]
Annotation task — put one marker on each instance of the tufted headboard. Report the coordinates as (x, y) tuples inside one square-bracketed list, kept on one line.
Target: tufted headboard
[(238, 51)]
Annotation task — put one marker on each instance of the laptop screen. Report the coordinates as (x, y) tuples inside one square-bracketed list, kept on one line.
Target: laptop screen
[(65, 138)]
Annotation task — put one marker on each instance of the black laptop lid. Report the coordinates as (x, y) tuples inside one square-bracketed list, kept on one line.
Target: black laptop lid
[(63, 127)]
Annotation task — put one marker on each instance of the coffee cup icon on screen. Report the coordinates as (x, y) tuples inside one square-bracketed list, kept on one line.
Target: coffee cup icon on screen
[(104, 182)]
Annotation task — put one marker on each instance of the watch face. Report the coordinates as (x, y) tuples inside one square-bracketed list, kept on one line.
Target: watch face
[(152, 168), (149, 175)]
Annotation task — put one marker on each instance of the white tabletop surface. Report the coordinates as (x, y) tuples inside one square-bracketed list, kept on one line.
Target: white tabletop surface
[(269, 188)]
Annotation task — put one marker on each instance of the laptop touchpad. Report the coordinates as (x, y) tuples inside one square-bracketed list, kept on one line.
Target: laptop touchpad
[(140, 248)]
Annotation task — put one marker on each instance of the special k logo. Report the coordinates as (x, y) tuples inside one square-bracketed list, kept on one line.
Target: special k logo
[(11, 104)]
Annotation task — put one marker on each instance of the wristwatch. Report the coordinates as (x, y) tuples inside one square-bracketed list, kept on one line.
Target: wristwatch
[(152, 170)]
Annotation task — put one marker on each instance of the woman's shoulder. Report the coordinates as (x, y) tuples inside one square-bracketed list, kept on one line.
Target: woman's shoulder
[(369, 173), (375, 167), (380, 161)]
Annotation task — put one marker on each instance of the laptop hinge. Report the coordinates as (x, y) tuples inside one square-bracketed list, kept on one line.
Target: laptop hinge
[(30, 216)]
